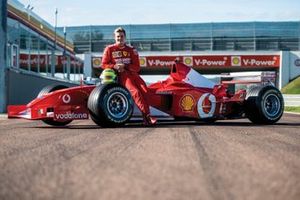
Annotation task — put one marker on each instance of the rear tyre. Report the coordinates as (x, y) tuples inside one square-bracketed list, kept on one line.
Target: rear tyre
[(110, 105), (46, 90), (264, 105)]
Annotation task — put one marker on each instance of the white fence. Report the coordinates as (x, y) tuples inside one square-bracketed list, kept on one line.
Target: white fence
[(291, 99)]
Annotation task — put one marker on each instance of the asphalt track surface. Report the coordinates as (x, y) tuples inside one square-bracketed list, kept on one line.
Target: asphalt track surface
[(226, 160)]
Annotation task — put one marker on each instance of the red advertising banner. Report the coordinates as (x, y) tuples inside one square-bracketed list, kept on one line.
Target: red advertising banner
[(43, 60), (214, 61), (161, 61), (24, 60), (257, 61), (207, 61), (211, 61)]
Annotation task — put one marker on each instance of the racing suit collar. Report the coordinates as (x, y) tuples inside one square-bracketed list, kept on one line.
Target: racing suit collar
[(119, 46)]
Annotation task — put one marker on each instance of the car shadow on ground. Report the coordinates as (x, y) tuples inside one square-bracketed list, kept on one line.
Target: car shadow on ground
[(170, 124)]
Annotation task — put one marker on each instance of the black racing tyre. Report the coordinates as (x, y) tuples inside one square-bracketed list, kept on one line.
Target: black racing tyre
[(50, 88), (264, 104), (46, 90), (110, 105)]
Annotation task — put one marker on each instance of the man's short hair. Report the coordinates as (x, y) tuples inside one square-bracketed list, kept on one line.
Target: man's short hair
[(120, 30)]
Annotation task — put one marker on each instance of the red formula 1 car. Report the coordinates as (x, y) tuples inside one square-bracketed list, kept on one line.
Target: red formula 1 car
[(185, 94)]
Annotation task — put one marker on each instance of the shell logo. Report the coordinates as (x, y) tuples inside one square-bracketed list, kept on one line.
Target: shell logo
[(188, 61), (143, 62), (187, 102), (236, 60), (96, 62)]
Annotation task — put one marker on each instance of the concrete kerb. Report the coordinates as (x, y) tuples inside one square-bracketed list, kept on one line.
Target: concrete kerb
[(3, 115), (295, 113)]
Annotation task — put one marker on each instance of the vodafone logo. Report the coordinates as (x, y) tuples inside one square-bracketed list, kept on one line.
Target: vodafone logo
[(66, 98), (206, 105), (71, 116)]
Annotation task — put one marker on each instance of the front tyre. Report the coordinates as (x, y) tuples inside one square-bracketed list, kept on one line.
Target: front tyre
[(46, 90), (110, 105), (264, 105)]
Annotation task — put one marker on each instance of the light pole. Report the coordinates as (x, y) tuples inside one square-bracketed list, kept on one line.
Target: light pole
[(29, 9), (55, 26), (54, 54), (64, 53)]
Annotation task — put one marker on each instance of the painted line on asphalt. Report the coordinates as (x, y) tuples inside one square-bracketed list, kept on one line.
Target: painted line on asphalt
[(295, 113)]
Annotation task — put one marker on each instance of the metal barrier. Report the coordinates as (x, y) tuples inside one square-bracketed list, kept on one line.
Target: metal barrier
[(291, 99)]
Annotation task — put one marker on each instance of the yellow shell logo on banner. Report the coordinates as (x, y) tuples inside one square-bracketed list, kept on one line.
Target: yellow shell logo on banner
[(236, 60), (187, 103), (143, 62), (96, 62), (188, 61)]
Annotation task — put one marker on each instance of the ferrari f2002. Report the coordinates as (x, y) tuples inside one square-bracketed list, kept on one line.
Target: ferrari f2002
[(185, 94)]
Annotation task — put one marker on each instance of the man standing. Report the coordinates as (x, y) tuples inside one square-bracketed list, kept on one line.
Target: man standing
[(125, 60)]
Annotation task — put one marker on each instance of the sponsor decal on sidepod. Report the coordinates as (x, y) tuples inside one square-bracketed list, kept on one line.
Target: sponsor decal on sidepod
[(206, 105)]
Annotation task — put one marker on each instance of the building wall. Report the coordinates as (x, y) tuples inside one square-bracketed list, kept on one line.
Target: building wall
[(24, 87), (290, 67), (235, 36), (3, 84), (294, 61)]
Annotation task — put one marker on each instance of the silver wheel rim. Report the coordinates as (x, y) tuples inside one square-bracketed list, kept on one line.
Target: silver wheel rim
[(117, 105), (272, 105)]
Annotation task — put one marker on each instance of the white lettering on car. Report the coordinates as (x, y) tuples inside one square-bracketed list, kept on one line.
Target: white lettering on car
[(71, 116)]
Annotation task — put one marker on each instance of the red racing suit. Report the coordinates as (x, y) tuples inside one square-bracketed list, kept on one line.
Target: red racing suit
[(129, 78)]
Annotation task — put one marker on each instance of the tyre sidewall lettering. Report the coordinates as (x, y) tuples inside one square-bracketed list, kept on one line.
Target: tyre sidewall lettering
[(111, 92), (262, 102)]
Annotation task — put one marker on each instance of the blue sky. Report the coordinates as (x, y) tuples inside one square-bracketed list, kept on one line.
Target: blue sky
[(111, 12)]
